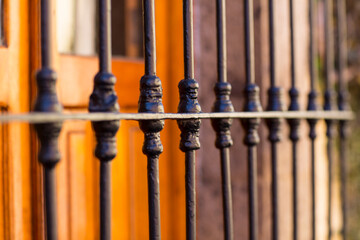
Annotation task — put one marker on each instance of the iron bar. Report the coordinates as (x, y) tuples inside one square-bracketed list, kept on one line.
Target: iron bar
[(294, 123), (105, 199), (50, 203), (329, 99), (252, 104), (312, 107), (227, 194), (272, 44), (329, 153), (104, 100), (190, 195), (275, 103), (151, 102), (274, 190), (98, 117), (153, 197), (343, 174), (313, 189), (312, 52), (188, 89), (48, 133), (342, 103), (222, 126), (249, 41), (295, 189), (188, 13), (149, 37), (252, 197)]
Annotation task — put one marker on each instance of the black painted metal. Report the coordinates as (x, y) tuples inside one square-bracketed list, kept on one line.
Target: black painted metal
[(312, 106), (222, 126), (252, 104), (50, 203), (151, 102), (48, 133), (105, 200), (329, 100), (342, 102), (104, 99), (188, 89), (294, 123), (343, 172), (275, 103)]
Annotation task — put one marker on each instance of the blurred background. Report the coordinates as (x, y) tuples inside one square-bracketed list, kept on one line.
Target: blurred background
[(76, 63), (76, 39), (353, 11)]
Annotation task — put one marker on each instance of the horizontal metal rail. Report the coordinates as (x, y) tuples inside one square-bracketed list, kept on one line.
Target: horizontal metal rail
[(55, 117)]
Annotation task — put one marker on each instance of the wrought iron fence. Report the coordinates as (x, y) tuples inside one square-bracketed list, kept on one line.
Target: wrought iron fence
[(105, 116)]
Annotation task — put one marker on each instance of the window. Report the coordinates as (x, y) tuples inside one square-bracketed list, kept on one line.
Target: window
[(77, 27)]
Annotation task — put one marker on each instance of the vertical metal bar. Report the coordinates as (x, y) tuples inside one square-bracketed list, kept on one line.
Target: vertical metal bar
[(272, 44), (149, 37), (190, 195), (222, 126), (343, 172), (274, 190), (50, 203), (188, 38), (105, 35), (227, 194), (104, 99), (312, 106), (295, 182), (294, 123), (252, 104), (329, 99), (153, 197), (105, 200), (188, 89), (313, 188), (274, 104), (253, 202), (151, 102), (330, 171), (48, 133), (342, 102)]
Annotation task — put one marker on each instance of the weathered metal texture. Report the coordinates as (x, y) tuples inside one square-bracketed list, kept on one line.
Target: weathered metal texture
[(150, 101), (188, 144), (275, 103), (222, 126), (252, 104), (99, 117), (48, 133), (47, 101), (104, 100), (343, 104), (329, 101), (188, 90), (312, 106), (294, 123), (222, 104)]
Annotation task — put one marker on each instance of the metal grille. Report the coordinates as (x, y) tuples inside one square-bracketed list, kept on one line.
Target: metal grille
[(105, 116)]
